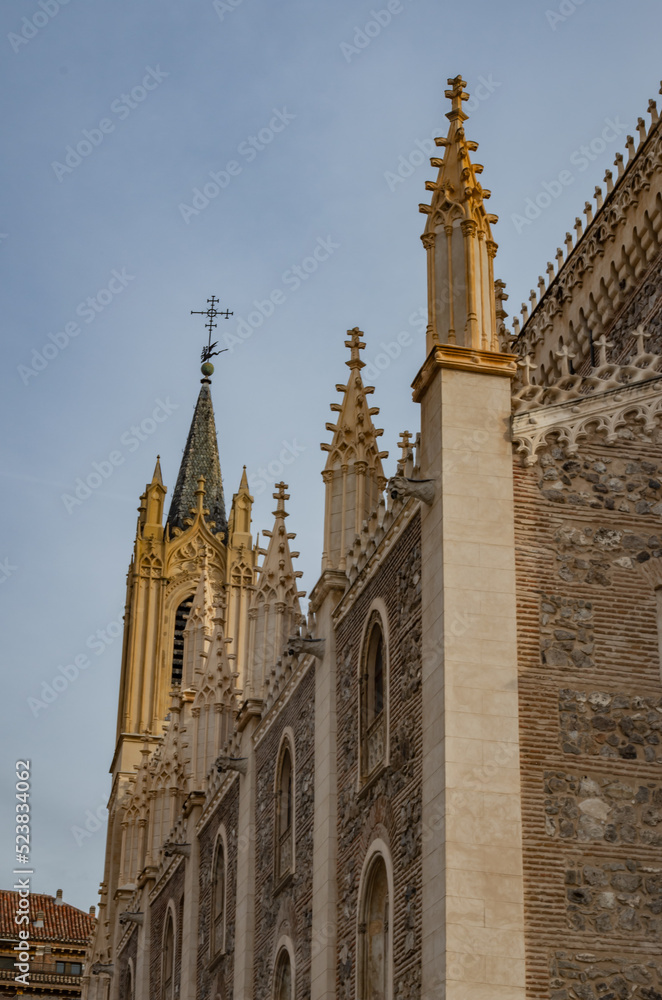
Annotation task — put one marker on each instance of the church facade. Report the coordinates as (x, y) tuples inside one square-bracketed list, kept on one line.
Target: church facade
[(443, 782)]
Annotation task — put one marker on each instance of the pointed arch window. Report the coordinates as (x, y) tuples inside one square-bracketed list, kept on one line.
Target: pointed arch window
[(374, 935), (283, 976), (181, 617), (129, 985), (373, 698), (218, 901), (285, 812), (168, 973)]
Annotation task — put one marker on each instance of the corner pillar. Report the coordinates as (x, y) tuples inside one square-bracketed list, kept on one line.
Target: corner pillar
[(472, 899)]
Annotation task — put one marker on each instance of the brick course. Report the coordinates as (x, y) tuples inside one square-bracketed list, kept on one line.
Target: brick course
[(588, 650), (389, 807)]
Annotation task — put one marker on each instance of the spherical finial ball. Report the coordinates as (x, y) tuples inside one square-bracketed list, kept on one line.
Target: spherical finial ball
[(207, 369)]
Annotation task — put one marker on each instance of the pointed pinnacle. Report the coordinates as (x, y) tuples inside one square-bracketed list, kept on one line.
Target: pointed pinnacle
[(200, 494), (157, 477), (243, 485)]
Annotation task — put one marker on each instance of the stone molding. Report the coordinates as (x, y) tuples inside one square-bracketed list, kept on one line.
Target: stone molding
[(574, 417), (463, 359)]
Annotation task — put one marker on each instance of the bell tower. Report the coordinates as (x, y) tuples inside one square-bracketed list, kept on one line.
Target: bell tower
[(195, 564)]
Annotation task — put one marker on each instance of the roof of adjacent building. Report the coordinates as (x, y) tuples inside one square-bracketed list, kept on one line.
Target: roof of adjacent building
[(200, 458), (62, 922)]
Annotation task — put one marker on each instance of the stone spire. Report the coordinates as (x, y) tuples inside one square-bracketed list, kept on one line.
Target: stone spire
[(242, 559), (150, 521), (458, 241), (275, 610), (200, 458), (353, 473)]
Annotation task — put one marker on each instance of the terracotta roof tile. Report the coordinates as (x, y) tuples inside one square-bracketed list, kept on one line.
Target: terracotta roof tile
[(62, 922)]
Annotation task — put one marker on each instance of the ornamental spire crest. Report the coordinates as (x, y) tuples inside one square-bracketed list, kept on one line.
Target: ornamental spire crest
[(353, 474), (458, 241)]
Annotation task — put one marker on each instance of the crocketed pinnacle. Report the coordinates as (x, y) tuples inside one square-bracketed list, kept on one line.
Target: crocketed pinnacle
[(458, 240), (200, 458)]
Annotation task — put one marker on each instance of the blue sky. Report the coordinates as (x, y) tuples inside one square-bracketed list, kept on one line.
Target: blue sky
[(302, 126)]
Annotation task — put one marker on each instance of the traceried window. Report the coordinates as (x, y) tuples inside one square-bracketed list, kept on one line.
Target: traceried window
[(218, 901), (283, 976), (129, 983), (181, 617), (373, 950), (285, 813), (168, 974), (373, 698)]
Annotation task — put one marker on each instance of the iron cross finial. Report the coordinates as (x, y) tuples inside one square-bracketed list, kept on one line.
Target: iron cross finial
[(212, 312)]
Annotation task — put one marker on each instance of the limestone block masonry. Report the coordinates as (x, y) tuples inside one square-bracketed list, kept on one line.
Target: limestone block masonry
[(473, 918)]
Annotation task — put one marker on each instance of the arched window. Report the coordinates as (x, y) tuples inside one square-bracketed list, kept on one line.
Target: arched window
[(168, 973), (373, 698), (373, 951), (285, 813), (181, 617), (283, 976), (218, 901)]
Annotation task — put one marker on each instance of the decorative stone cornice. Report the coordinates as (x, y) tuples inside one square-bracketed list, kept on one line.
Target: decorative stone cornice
[(573, 418), (331, 581), (612, 212), (462, 359)]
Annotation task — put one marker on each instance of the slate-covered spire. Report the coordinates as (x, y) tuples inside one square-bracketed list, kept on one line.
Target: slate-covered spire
[(200, 458)]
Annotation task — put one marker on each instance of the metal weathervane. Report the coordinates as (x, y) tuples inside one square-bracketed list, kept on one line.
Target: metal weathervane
[(208, 352)]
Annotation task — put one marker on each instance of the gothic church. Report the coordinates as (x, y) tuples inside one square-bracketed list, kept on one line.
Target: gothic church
[(442, 783)]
